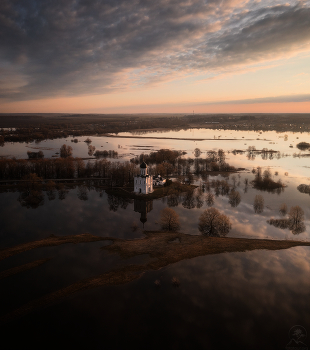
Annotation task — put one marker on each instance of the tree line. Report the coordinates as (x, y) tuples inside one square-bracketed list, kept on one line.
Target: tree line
[(119, 173)]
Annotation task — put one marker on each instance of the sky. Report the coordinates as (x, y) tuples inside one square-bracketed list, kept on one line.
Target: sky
[(146, 56)]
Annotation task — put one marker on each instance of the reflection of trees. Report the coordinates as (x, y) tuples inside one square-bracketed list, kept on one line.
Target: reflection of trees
[(199, 201), (296, 215), (173, 200), (113, 202), (234, 198), (82, 193), (31, 195), (50, 190), (283, 209), (210, 199), (295, 221), (116, 202), (296, 228), (62, 192), (259, 204), (32, 199), (188, 200)]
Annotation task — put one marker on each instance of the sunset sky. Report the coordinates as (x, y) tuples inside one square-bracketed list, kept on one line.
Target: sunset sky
[(153, 56)]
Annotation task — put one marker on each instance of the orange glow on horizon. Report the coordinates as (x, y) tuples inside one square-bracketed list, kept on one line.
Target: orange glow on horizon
[(82, 105)]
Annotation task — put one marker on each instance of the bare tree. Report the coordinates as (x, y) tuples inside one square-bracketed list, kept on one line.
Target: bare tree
[(283, 209), (296, 215), (234, 198), (213, 223), (169, 220), (65, 151), (91, 150), (259, 203), (197, 152)]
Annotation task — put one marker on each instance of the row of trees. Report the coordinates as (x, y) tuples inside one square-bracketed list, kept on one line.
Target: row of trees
[(117, 173), (212, 222), (294, 221), (167, 162), (263, 180)]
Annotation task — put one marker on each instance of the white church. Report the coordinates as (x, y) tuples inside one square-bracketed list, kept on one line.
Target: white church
[(143, 183)]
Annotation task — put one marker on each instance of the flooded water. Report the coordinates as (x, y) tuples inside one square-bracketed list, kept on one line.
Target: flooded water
[(246, 300)]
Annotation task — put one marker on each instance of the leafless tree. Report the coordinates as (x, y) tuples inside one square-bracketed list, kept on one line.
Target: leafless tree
[(283, 209), (296, 215), (65, 151), (197, 152), (234, 198), (213, 223), (259, 203), (91, 150), (169, 220), (221, 156)]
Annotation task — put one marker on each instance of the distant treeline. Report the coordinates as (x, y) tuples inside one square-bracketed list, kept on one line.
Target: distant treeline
[(31, 128), (119, 173), (172, 162), (164, 162), (78, 127)]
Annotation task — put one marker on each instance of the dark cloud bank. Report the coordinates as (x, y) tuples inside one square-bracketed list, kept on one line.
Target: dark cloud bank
[(51, 48)]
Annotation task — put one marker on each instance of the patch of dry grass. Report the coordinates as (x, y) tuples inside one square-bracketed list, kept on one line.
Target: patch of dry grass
[(22, 268), (49, 241)]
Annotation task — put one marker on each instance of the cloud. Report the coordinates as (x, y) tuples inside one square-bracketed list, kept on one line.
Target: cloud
[(272, 99), (80, 47)]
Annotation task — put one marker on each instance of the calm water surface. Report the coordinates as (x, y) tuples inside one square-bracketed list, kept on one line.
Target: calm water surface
[(246, 300)]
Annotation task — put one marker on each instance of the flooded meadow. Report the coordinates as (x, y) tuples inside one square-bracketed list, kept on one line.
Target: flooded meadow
[(248, 299)]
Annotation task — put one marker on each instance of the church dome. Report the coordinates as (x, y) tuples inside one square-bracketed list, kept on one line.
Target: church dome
[(143, 165)]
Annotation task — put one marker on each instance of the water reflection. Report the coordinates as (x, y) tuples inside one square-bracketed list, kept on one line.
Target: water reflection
[(295, 228), (143, 207)]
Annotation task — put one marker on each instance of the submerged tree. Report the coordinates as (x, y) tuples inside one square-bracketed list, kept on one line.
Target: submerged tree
[(31, 195), (91, 150), (283, 209), (234, 198), (296, 215), (259, 204), (169, 220), (65, 151), (213, 223)]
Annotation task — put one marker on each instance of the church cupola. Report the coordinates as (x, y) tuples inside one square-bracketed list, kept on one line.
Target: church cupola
[(143, 169)]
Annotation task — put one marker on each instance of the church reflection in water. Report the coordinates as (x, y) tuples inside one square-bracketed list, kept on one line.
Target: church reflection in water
[(143, 207)]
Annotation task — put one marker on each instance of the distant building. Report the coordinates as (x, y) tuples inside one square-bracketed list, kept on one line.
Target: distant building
[(158, 181), (143, 183)]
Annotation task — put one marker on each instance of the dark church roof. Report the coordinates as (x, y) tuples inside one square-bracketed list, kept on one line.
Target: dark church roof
[(143, 165)]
